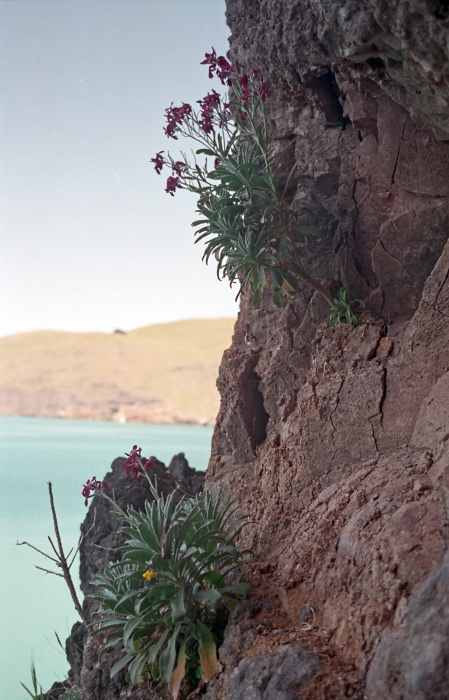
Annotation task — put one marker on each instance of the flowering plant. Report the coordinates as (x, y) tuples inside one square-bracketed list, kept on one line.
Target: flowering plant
[(162, 601), (249, 202)]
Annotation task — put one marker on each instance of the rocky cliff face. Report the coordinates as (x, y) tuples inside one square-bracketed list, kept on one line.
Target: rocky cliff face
[(337, 439)]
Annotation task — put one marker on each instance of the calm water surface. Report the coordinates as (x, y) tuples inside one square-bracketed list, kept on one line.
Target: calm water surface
[(35, 605)]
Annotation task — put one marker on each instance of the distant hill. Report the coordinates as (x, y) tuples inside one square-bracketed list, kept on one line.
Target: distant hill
[(164, 373)]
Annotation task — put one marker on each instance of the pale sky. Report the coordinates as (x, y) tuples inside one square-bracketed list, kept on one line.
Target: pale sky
[(89, 240)]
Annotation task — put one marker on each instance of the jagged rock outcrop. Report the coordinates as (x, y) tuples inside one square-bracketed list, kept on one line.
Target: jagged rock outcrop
[(336, 439)]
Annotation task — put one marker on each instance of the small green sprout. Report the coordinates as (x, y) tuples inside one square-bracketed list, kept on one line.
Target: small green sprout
[(38, 693), (342, 308)]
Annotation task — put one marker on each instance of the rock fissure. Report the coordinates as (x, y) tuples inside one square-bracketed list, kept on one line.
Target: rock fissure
[(401, 138)]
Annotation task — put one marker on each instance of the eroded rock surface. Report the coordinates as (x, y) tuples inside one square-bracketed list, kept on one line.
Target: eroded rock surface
[(343, 467)]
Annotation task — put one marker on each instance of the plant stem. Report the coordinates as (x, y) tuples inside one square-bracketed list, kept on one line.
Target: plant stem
[(317, 286), (63, 561)]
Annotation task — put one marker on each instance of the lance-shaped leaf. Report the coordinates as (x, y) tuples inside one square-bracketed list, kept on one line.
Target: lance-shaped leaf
[(178, 673), (207, 651), (121, 663), (210, 597), (177, 605), (168, 656)]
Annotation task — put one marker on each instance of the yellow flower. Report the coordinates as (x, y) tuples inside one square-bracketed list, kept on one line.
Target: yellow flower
[(149, 575)]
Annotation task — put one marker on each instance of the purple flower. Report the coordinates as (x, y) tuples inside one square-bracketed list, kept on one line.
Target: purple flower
[(264, 92), (244, 84), (219, 66), (224, 70), (158, 162), (178, 167), (133, 462), (175, 116), (149, 464), (208, 104), (210, 60), (172, 185), (92, 485)]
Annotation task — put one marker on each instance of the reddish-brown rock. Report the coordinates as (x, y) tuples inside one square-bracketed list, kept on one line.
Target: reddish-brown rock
[(335, 439)]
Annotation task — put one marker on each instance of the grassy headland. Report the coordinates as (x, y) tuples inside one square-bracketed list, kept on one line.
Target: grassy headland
[(164, 373)]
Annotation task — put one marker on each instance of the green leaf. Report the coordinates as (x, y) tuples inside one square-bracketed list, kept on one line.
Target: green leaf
[(28, 691), (120, 664), (108, 645), (256, 300), (128, 631), (255, 284), (310, 229), (283, 249), (278, 299), (168, 656), (157, 646), (178, 606), (214, 578), (136, 668), (206, 152), (210, 597), (291, 279), (240, 589), (230, 602)]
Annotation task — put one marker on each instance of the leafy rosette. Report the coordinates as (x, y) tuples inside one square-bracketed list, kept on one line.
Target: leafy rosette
[(161, 601)]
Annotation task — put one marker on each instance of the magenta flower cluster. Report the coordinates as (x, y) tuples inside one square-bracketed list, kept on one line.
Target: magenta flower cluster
[(219, 66), (91, 486), (133, 467), (208, 104), (247, 91), (213, 112), (175, 116), (135, 462)]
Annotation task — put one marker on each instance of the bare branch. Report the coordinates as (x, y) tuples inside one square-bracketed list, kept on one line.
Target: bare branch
[(53, 546), (63, 561), (37, 550), (47, 571), (82, 538)]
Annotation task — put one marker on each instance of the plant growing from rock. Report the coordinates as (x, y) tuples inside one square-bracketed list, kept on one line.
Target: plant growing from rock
[(162, 600), (37, 693), (342, 309), (250, 205)]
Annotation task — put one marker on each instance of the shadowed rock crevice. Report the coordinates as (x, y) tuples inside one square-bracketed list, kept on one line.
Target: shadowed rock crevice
[(254, 413)]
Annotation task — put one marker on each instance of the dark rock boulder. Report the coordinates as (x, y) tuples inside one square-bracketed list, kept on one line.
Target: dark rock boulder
[(278, 677)]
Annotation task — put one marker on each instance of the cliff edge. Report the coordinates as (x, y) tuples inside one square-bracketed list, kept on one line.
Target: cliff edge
[(336, 439)]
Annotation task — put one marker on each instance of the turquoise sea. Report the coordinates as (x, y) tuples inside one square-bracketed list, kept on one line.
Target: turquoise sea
[(35, 606)]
